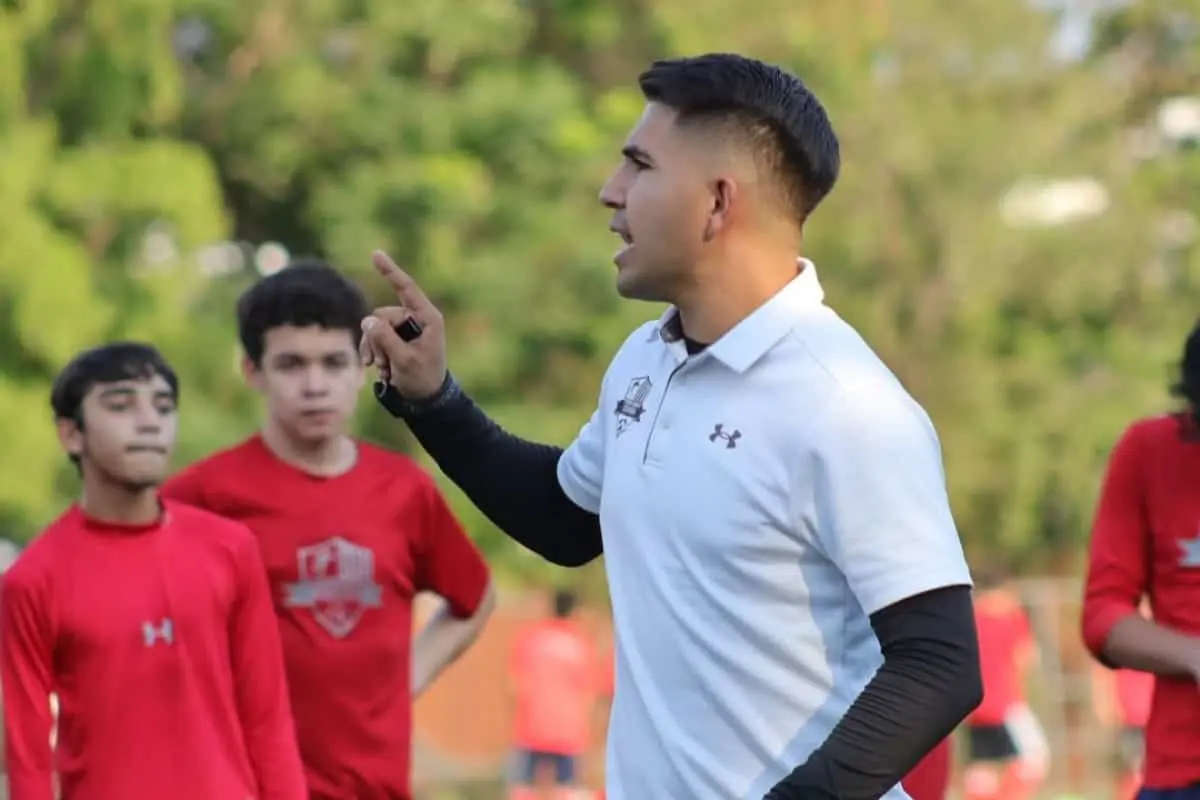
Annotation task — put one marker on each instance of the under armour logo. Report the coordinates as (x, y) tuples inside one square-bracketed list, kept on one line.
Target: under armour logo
[(730, 438), (164, 631)]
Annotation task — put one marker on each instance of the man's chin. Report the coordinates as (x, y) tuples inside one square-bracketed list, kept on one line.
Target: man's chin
[(629, 284), (631, 287)]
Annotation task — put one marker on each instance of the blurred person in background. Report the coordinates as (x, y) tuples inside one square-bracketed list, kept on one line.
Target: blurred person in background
[(556, 679), (792, 610), (350, 533), (1146, 545), (150, 620), (1007, 756), (1121, 699)]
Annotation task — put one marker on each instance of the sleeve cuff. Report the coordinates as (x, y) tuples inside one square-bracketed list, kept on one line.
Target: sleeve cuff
[(915, 582), (398, 406), (1098, 624), (572, 488)]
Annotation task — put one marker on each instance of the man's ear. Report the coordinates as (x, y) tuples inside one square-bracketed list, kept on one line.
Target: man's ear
[(723, 196)]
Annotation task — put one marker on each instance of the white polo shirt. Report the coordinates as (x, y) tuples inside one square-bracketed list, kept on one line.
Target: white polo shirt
[(759, 501)]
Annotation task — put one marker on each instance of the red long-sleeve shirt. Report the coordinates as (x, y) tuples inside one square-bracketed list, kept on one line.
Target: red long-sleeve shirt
[(345, 556), (1146, 541), (161, 645)]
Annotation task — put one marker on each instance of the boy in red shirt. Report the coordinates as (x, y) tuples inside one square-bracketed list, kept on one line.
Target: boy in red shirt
[(1146, 543), (151, 621), (1007, 756), (556, 679), (349, 533)]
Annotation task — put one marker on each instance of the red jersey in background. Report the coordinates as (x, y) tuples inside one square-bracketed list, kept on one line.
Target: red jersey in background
[(558, 680), (1146, 540), (162, 647), (346, 556), (1005, 649)]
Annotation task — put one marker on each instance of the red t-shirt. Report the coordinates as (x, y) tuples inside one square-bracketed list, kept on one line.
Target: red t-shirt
[(345, 557), (1146, 540), (557, 679), (1004, 641), (161, 645), (930, 779)]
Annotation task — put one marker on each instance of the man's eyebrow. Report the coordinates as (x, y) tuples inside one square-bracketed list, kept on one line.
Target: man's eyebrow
[(635, 153)]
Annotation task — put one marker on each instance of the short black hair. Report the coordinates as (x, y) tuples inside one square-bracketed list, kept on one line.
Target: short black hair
[(770, 108), (564, 603), (1187, 382), (108, 363), (304, 293)]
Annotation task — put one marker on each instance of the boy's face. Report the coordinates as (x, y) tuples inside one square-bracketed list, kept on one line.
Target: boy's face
[(128, 431), (310, 378)]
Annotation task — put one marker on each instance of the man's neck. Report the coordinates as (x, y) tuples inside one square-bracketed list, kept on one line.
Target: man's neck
[(729, 295), (118, 505), (326, 458)]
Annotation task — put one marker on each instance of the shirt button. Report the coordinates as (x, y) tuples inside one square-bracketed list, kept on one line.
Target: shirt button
[(666, 423)]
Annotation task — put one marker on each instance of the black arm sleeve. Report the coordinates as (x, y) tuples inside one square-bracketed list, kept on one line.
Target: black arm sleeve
[(514, 482), (928, 683)]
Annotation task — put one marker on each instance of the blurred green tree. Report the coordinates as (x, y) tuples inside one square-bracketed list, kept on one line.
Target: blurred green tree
[(1011, 231)]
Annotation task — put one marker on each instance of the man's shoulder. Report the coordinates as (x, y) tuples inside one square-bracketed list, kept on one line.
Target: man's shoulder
[(836, 350)]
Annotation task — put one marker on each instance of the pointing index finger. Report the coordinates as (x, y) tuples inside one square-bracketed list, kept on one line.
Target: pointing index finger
[(406, 288)]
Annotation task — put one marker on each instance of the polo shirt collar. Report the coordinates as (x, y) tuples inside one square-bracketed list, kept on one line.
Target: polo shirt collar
[(750, 339)]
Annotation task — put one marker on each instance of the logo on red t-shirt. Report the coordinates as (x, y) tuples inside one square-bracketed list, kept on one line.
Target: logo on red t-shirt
[(1189, 555), (337, 583)]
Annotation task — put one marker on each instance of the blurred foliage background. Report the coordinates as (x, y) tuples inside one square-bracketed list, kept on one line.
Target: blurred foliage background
[(1014, 231)]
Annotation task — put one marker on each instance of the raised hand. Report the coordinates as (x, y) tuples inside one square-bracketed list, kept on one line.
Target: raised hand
[(415, 368)]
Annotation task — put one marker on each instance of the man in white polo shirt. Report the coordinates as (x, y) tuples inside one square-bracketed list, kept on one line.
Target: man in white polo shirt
[(791, 603)]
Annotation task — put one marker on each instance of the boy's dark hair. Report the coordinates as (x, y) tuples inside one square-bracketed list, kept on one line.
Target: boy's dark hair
[(1187, 385), (564, 603), (306, 292), (109, 363), (770, 110)]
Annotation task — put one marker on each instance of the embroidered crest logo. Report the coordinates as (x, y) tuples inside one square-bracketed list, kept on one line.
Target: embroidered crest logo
[(337, 583), (631, 407)]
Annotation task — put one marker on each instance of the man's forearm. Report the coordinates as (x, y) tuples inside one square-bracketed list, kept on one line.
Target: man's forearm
[(1142, 644), (511, 480), (928, 683), (444, 638)]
